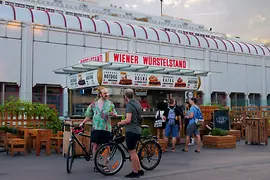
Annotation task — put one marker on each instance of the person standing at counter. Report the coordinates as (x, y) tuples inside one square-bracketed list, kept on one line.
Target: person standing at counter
[(160, 123), (145, 105), (133, 132), (100, 112), (172, 116)]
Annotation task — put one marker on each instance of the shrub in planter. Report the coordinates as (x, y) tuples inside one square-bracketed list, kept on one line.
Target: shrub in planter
[(219, 132), (219, 139)]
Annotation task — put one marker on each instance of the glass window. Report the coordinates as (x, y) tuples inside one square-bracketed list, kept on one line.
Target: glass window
[(237, 99), (268, 100), (11, 91), (218, 98), (55, 98), (1, 91), (200, 98), (254, 99), (38, 94)]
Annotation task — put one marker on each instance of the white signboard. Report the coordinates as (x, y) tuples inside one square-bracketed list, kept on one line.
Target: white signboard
[(82, 80), (134, 79), (147, 60)]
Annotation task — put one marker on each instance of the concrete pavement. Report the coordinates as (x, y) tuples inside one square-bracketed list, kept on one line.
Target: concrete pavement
[(246, 162)]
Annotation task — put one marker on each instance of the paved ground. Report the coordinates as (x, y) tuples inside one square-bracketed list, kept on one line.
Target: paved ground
[(246, 162)]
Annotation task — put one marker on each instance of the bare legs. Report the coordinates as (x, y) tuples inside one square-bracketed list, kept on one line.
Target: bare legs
[(134, 161)]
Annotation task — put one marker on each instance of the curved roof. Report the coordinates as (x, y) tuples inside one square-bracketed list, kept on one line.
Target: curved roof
[(128, 30)]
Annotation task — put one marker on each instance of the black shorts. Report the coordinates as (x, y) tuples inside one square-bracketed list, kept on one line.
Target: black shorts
[(101, 137), (131, 140)]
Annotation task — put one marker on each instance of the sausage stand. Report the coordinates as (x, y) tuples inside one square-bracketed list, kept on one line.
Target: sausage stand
[(154, 79)]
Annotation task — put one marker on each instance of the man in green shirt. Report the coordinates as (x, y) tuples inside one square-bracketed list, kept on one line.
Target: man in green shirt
[(100, 112)]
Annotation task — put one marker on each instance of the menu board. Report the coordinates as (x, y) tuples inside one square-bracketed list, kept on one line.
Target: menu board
[(82, 80), (135, 79), (110, 77), (221, 119)]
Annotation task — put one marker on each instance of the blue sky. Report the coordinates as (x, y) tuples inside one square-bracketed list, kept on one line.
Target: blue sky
[(248, 19)]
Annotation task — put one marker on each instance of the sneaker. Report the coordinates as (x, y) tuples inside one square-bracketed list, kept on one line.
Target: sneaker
[(190, 144), (141, 172), (132, 175)]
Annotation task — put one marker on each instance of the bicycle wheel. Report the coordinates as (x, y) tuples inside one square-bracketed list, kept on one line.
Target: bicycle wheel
[(109, 159), (70, 156), (146, 154)]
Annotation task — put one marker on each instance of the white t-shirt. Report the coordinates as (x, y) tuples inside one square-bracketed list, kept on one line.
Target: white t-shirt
[(161, 114)]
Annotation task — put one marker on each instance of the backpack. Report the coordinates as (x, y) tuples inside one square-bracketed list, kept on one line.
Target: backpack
[(171, 116), (198, 117)]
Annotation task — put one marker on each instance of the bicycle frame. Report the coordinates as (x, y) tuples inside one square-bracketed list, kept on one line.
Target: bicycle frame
[(74, 138), (124, 148)]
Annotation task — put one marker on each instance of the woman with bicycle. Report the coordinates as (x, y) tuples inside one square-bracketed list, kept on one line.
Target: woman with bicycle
[(100, 111)]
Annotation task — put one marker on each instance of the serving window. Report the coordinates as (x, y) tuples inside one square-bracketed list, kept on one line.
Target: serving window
[(82, 98)]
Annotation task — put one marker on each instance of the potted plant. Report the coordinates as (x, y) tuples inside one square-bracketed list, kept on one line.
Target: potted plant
[(219, 139)]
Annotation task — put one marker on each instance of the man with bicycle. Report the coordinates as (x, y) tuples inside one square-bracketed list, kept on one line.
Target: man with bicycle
[(133, 131), (100, 111)]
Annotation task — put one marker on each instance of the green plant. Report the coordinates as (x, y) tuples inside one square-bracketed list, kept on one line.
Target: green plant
[(29, 109), (219, 132)]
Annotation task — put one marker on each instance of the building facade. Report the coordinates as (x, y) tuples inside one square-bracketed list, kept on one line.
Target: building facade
[(33, 43)]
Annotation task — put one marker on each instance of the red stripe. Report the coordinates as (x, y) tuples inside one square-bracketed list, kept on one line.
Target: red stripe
[(261, 49), (254, 48), (231, 44), (155, 32), (247, 47), (109, 29), (225, 45), (179, 39), (215, 42), (239, 45), (207, 41), (132, 29), (14, 12), (32, 15), (166, 34), (187, 38), (144, 31), (121, 28), (95, 26), (49, 17), (197, 39), (64, 17), (80, 22)]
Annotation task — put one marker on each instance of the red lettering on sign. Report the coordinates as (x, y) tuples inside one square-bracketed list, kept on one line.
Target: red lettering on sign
[(126, 58)]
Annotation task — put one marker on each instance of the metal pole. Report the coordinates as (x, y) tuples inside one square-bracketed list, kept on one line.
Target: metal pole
[(161, 3), (3, 94), (45, 94)]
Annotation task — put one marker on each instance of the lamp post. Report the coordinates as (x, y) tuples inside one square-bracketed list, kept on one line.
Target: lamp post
[(161, 3)]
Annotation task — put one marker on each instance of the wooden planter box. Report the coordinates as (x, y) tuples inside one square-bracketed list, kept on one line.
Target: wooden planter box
[(236, 133), (219, 142)]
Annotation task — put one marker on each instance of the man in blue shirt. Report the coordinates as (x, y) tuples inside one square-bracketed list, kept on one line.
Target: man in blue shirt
[(192, 127)]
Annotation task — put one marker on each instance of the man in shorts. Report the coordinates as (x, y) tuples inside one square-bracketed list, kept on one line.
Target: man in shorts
[(172, 115), (192, 127), (100, 111), (133, 131)]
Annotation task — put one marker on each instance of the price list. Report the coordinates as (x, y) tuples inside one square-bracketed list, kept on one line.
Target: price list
[(110, 77), (168, 81), (140, 79), (192, 83)]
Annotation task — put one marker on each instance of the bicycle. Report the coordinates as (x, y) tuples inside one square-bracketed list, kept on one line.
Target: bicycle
[(71, 147), (109, 149)]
